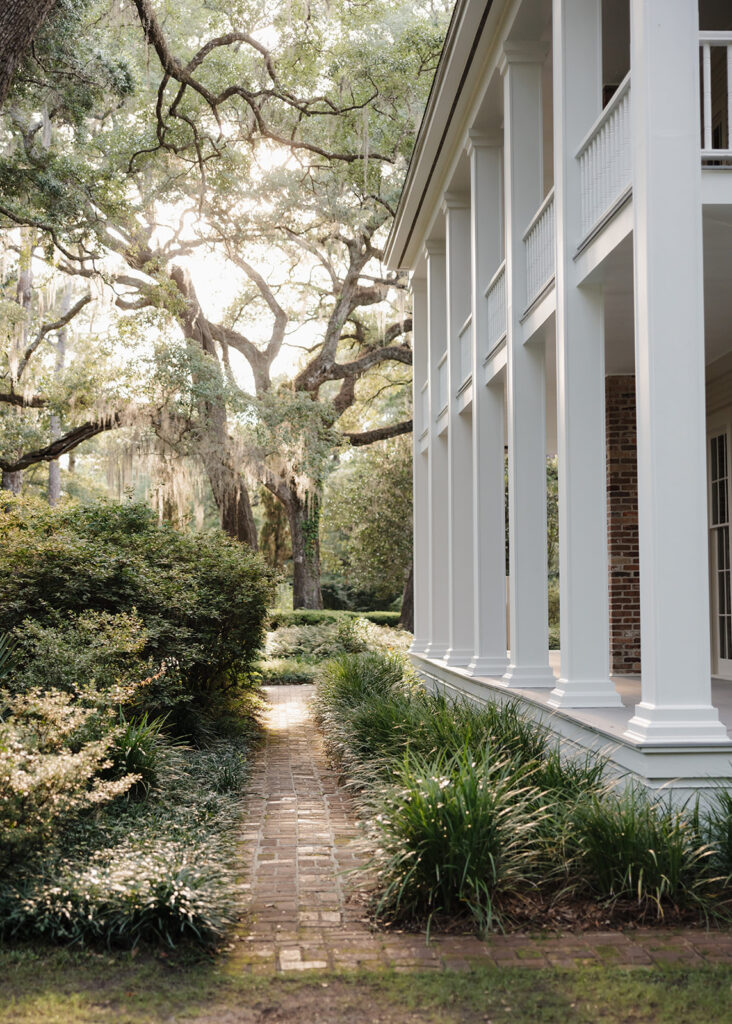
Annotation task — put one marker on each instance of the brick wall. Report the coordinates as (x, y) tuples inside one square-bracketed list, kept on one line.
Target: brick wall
[(622, 509)]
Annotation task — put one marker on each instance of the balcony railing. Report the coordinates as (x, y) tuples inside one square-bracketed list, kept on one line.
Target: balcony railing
[(424, 409), (716, 63), (465, 339), (539, 249), (605, 159), (495, 295), (441, 386)]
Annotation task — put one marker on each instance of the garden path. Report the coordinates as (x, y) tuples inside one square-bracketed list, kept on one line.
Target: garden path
[(304, 909)]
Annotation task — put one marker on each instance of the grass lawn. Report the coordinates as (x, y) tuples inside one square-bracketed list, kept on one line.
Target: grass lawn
[(62, 987)]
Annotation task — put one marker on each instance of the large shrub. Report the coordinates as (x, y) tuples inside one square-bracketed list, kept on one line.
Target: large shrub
[(202, 598)]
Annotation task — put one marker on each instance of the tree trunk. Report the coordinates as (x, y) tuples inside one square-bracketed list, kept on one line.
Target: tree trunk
[(19, 22), (406, 619), (304, 518), (232, 500), (12, 481)]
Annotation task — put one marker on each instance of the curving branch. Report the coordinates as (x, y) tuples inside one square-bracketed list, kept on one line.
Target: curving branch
[(48, 329), (62, 445), (380, 433)]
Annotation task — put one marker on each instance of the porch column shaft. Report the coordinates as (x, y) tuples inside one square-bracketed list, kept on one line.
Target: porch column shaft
[(489, 512), (459, 437), (526, 397), (421, 547), (669, 343), (580, 338), (437, 463)]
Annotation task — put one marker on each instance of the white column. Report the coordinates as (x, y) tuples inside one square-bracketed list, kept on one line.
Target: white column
[(669, 343), (525, 390), (580, 334), (489, 523), (421, 548), (459, 437), (439, 638)]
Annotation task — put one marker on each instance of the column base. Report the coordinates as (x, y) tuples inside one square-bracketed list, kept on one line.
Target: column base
[(435, 650), (457, 657), (584, 693), (419, 646), (528, 677), (693, 723), (493, 668)]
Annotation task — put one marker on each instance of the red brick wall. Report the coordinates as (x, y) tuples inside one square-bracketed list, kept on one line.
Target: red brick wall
[(622, 515)]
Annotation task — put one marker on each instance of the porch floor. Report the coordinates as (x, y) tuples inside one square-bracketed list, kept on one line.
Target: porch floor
[(614, 721)]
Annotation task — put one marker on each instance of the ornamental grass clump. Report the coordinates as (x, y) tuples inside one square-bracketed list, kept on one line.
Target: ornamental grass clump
[(629, 847), (454, 834)]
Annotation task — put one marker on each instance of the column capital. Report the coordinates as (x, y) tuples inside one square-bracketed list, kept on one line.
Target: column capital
[(455, 201), (530, 51), (482, 140), (434, 247)]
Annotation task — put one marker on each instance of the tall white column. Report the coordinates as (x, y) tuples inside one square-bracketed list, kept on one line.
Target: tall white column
[(421, 547), (459, 437), (439, 638), (669, 342), (580, 335), (489, 522), (526, 396)]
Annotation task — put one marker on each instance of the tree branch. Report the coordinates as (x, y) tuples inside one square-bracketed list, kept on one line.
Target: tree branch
[(62, 445), (380, 434)]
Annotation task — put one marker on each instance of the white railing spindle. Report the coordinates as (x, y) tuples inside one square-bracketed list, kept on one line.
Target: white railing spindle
[(495, 296), (441, 386), (425, 408), (605, 159), (716, 103), (539, 249), (465, 339)]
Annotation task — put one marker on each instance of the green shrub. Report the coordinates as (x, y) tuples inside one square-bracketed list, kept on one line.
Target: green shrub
[(309, 617), (629, 847), (202, 598), (48, 774), (91, 648), (284, 671), (454, 832)]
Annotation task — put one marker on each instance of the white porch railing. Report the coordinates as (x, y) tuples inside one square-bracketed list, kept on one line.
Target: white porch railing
[(606, 159), (716, 62), (495, 295), (465, 339), (539, 249), (441, 386), (424, 409)]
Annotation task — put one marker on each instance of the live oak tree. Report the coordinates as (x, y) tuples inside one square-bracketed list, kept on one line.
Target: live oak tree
[(296, 147)]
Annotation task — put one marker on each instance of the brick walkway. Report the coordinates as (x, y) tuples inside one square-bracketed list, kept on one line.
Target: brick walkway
[(300, 844)]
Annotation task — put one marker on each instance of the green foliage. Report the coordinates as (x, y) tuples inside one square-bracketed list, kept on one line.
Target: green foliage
[(137, 750), (435, 774), (629, 846), (202, 598), (367, 530), (49, 774), (306, 617), (454, 832)]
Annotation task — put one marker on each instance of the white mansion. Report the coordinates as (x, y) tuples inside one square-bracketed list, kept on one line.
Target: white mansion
[(567, 221)]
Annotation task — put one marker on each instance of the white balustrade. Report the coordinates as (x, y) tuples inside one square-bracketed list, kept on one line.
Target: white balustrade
[(606, 159), (495, 295), (540, 250), (441, 386), (425, 409), (716, 62), (465, 339)]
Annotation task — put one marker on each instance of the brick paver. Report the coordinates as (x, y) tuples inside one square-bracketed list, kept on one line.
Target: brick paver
[(301, 846)]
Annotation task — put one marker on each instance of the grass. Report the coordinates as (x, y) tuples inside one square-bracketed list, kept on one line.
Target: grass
[(476, 813), (64, 987)]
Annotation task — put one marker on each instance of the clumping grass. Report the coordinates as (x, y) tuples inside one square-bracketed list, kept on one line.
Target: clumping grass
[(629, 846), (475, 811), (453, 832)]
